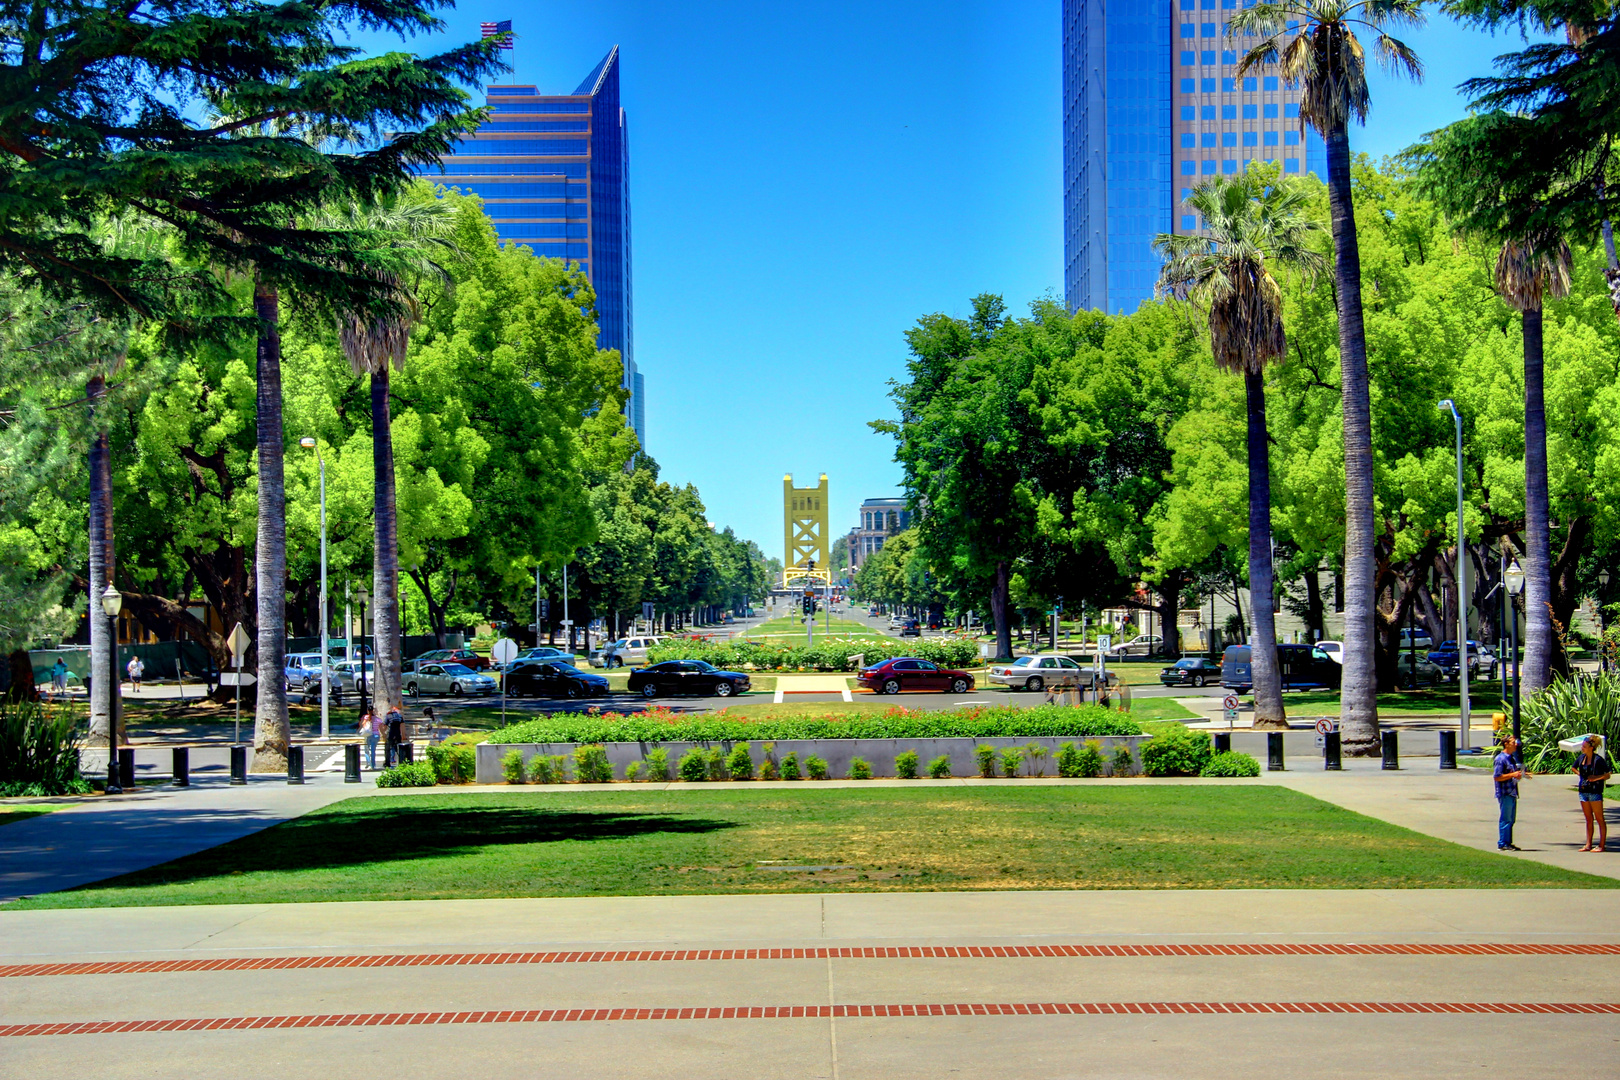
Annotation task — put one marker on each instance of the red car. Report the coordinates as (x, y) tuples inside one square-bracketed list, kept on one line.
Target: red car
[(455, 656), (905, 673)]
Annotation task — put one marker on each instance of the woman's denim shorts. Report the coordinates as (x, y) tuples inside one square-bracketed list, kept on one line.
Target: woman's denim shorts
[(1589, 797)]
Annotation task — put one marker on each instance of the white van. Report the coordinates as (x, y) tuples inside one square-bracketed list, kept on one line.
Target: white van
[(632, 650)]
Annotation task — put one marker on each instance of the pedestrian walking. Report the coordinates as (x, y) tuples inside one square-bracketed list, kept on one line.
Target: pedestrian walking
[(369, 733), (1508, 771), (1592, 769), (136, 669), (59, 673), (394, 726)]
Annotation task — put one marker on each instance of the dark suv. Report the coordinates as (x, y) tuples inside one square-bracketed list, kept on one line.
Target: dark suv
[(1302, 667)]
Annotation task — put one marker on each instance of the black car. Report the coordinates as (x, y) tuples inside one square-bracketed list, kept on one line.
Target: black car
[(551, 679), (1191, 671), (911, 628), (686, 677)]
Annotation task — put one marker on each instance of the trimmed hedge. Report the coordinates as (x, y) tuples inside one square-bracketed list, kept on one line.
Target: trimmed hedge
[(416, 774), (1176, 753), (981, 722), (1231, 763), (831, 654)]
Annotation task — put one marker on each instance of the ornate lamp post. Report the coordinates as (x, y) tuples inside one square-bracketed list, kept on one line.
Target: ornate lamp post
[(112, 602), (1514, 578)]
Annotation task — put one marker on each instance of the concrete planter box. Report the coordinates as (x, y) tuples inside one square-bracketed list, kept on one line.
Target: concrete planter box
[(837, 753)]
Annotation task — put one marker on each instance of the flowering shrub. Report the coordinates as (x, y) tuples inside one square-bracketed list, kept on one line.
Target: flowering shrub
[(828, 654)]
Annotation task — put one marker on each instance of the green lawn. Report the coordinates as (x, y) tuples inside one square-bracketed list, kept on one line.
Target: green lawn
[(11, 815), (642, 841), (1403, 702), (791, 626)]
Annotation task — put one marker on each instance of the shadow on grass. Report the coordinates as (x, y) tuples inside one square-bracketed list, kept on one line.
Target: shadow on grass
[(345, 838)]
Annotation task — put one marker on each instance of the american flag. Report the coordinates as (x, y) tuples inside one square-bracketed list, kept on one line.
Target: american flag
[(502, 29)]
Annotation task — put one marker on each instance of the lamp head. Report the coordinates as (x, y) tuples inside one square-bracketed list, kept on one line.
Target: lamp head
[(112, 601), (1514, 578), (307, 443), (1603, 577)]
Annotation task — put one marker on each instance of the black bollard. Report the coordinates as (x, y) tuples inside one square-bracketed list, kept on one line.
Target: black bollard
[(351, 763), (1392, 750), (407, 753), (1274, 751), (1330, 752), (239, 764), (295, 764), (182, 766), (126, 768), (1448, 749), (1223, 742)]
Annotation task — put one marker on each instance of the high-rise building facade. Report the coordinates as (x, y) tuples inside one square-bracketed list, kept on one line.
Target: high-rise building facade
[(1152, 104), (553, 171)]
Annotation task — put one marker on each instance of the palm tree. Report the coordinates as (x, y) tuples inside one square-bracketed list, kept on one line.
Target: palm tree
[(1527, 272), (271, 732), (1248, 221), (1323, 57), (410, 239)]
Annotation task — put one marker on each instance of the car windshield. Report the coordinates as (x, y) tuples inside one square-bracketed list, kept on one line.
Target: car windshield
[(457, 669)]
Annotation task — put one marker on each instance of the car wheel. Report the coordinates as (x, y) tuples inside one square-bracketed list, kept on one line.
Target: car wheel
[(723, 689), (572, 692), (455, 689), (411, 690), (1035, 683), (649, 690), (959, 686), (1198, 680), (891, 686), (1403, 682)]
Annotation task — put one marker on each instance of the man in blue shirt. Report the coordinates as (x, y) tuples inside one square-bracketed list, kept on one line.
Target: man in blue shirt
[(1508, 772)]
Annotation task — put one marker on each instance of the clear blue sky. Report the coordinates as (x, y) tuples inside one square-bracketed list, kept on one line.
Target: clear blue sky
[(808, 180)]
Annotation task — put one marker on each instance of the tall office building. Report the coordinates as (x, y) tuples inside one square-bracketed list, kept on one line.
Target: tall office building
[(553, 171), (1152, 103)]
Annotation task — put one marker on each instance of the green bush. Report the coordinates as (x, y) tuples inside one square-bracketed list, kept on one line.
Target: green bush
[(1036, 755), (658, 766), (591, 765), (512, 767), (815, 768), (986, 757), (1181, 752), (976, 722), (1567, 708), (940, 767), (1085, 762), (1123, 764), (453, 764), (905, 765), (39, 751), (859, 769), (632, 771), (717, 764), (740, 763), (548, 769), (1231, 763), (768, 769), (694, 766), (790, 767), (828, 654), (1011, 758), (416, 774)]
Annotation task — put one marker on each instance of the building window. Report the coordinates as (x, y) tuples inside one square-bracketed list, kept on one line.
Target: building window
[(1291, 110), (1188, 112), (1187, 59), (1271, 138), (1291, 164), (1228, 56), (1208, 85), (1187, 140), (1208, 56), (1270, 112), (1251, 112), (1229, 85), (1250, 83), (1229, 166), (1208, 30), (1228, 138), (1186, 192), (1187, 30), (1189, 86), (1189, 222), (1209, 167), (1290, 138), (1208, 138), (1228, 112), (1207, 112), (1251, 138), (1271, 82), (1189, 169), (1187, 5)]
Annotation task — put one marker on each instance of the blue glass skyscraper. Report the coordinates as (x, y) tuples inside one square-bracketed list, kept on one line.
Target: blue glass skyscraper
[(553, 172), (1151, 104)]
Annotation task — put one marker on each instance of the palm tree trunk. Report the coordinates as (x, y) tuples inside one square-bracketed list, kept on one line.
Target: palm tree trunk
[(1538, 635), (1268, 703), (1358, 712), (103, 649), (271, 733), (385, 561)]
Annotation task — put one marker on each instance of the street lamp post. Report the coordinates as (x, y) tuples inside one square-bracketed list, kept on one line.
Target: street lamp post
[(112, 602), (1462, 584), (326, 732), (1514, 578)]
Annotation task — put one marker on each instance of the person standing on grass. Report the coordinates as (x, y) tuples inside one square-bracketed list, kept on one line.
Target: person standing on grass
[(1592, 769), (394, 723), (1508, 771), (368, 733)]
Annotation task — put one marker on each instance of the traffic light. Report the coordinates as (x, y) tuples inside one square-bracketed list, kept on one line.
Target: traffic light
[(809, 604)]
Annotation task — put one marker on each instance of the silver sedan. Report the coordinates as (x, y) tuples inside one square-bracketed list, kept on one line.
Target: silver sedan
[(452, 679), (1038, 672)]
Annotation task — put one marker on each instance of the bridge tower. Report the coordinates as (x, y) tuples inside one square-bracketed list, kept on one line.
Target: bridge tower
[(804, 530)]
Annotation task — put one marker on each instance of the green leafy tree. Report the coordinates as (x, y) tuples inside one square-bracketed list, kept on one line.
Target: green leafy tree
[(1249, 221), (1321, 54)]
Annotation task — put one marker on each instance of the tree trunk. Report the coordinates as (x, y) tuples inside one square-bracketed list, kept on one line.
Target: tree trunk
[(998, 609), (1538, 634), (1170, 612), (1358, 697), (1268, 703), (104, 676), (271, 732), (1315, 616), (385, 557)]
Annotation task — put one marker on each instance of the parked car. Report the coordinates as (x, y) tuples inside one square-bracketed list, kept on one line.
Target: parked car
[(1412, 670), (631, 650), (911, 628), (1480, 660), (1141, 645), (905, 673), (1334, 649), (1301, 667), (300, 670), (687, 677), (464, 657), (1036, 672), (1415, 638), (544, 678), (1191, 671), (346, 676), (543, 653), (431, 677)]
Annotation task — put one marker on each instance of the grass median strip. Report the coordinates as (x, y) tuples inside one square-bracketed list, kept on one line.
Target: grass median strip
[(646, 842)]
